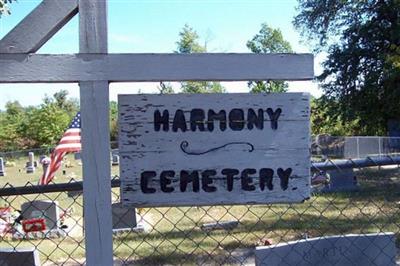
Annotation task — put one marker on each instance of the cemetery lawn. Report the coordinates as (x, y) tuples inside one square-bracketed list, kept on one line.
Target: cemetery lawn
[(175, 236)]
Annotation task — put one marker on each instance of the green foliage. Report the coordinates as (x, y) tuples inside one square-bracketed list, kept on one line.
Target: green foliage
[(326, 120), (165, 88), (113, 121), (361, 73), (4, 6), (189, 43), (267, 86), (202, 87), (10, 120), (45, 125), (268, 40), (71, 106), (35, 127)]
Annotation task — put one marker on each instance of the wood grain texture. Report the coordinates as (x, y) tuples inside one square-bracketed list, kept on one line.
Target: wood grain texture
[(39, 26), (142, 148), (95, 139), (154, 67)]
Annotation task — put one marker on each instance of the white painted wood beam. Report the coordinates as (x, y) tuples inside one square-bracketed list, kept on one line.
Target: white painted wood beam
[(94, 96), (39, 26), (154, 67)]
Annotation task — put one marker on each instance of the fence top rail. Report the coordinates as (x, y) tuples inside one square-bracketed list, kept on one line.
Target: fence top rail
[(362, 137), (9, 190)]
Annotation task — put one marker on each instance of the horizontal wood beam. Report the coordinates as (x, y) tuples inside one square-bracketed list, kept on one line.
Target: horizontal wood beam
[(39, 26), (23, 68)]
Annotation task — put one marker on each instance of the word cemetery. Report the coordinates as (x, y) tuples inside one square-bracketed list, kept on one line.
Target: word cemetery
[(187, 177), (181, 150)]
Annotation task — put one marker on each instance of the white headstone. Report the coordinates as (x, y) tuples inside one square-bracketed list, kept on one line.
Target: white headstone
[(2, 170), (45, 161), (42, 209), (363, 249), (30, 167), (115, 159)]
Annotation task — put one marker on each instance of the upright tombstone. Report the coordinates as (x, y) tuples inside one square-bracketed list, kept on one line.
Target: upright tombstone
[(19, 256), (197, 149), (115, 159), (45, 161), (46, 209), (2, 169), (78, 155), (363, 249), (30, 167), (341, 180), (123, 218)]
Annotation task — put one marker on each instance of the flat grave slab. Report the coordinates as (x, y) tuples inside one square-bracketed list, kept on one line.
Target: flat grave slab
[(352, 249)]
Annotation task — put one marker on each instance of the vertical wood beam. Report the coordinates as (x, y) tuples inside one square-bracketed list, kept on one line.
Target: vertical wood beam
[(95, 139)]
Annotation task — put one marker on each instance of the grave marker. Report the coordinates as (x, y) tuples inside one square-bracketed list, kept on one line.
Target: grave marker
[(30, 167), (115, 159), (19, 256), (42, 209), (186, 150), (2, 169), (353, 249), (74, 194), (45, 161), (78, 156), (123, 218), (341, 180)]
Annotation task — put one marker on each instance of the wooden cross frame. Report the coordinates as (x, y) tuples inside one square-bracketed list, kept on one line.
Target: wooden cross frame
[(94, 68)]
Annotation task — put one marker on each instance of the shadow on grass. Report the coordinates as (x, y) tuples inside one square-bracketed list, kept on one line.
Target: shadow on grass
[(220, 244), (176, 258)]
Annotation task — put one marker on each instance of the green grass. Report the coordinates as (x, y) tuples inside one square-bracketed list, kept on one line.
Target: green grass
[(176, 237)]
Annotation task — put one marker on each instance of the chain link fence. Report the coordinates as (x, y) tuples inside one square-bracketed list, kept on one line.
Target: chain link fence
[(354, 147), (48, 220), (15, 155)]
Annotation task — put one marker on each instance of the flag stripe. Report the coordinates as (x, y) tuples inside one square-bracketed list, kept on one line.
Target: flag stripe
[(70, 142)]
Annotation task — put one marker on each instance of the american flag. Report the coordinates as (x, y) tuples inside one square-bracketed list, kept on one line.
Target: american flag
[(70, 142)]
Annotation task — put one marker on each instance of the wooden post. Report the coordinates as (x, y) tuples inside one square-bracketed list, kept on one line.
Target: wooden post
[(94, 97)]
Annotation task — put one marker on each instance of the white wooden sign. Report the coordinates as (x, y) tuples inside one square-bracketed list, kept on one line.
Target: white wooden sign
[(213, 149)]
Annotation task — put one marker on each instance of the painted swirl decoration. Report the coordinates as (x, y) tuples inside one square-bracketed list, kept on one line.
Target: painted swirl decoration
[(185, 145)]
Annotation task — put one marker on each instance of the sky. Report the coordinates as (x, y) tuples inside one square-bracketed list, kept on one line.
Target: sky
[(153, 26)]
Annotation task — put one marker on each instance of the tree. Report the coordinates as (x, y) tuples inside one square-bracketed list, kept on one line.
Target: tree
[(326, 120), (113, 121), (71, 106), (165, 88), (268, 40), (10, 121), (189, 43), (362, 70), (44, 126), (14, 109), (202, 87), (4, 8)]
